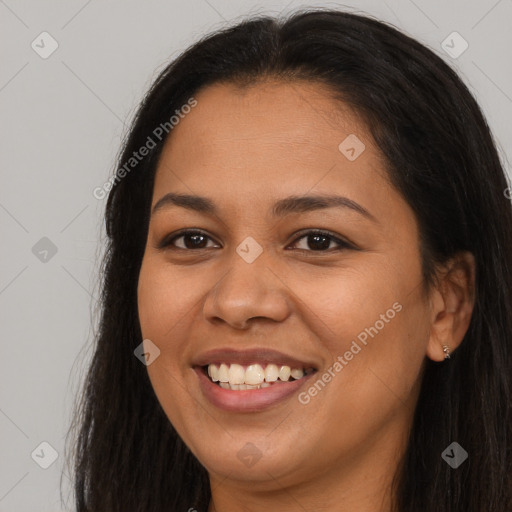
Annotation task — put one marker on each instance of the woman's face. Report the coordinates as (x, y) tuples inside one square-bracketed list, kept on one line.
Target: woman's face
[(259, 286)]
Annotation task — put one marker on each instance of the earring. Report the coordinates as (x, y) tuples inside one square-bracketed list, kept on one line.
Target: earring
[(446, 351)]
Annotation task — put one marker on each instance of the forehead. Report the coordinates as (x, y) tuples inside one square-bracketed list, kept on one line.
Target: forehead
[(273, 112), (268, 137)]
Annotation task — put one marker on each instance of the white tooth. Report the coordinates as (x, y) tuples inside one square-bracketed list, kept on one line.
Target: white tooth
[(265, 385), (248, 386), (236, 374), (297, 373), (234, 387), (213, 372), (271, 373), (284, 373), (254, 374), (223, 373), (224, 385), (242, 387)]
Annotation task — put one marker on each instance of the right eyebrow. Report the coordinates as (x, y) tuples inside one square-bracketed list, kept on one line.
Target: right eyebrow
[(191, 202)]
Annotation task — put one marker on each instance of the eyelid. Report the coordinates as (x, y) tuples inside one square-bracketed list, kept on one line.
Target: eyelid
[(343, 244)]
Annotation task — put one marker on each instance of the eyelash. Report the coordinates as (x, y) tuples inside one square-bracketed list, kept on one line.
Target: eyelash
[(167, 243)]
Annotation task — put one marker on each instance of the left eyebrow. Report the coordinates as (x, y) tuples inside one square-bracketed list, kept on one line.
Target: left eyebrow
[(301, 204), (282, 207)]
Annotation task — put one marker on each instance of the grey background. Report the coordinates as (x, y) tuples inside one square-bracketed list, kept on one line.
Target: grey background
[(62, 119)]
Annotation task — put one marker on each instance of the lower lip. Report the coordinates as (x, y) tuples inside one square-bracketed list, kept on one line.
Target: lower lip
[(249, 400)]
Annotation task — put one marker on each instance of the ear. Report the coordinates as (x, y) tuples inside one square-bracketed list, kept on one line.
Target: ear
[(452, 302)]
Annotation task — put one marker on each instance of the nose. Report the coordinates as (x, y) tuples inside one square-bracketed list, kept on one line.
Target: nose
[(246, 292)]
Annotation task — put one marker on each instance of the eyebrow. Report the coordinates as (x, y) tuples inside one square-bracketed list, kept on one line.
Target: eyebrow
[(282, 207)]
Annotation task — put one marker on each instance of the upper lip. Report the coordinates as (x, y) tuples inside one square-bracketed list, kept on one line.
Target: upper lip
[(250, 356)]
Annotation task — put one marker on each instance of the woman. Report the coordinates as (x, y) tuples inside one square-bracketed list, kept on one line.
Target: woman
[(307, 295)]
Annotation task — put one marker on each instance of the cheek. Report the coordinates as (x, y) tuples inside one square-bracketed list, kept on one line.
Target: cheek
[(162, 315), (165, 300), (163, 311), (377, 321)]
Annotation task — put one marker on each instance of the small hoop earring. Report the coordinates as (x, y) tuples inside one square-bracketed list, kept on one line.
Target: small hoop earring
[(446, 350)]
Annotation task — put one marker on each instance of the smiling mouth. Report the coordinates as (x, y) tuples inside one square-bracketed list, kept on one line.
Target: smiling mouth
[(237, 377)]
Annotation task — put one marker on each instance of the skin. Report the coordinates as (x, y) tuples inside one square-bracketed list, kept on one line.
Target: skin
[(245, 148)]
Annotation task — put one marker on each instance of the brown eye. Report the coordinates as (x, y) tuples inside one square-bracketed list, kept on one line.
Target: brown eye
[(320, 241), (315, 241), (190, 240)]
